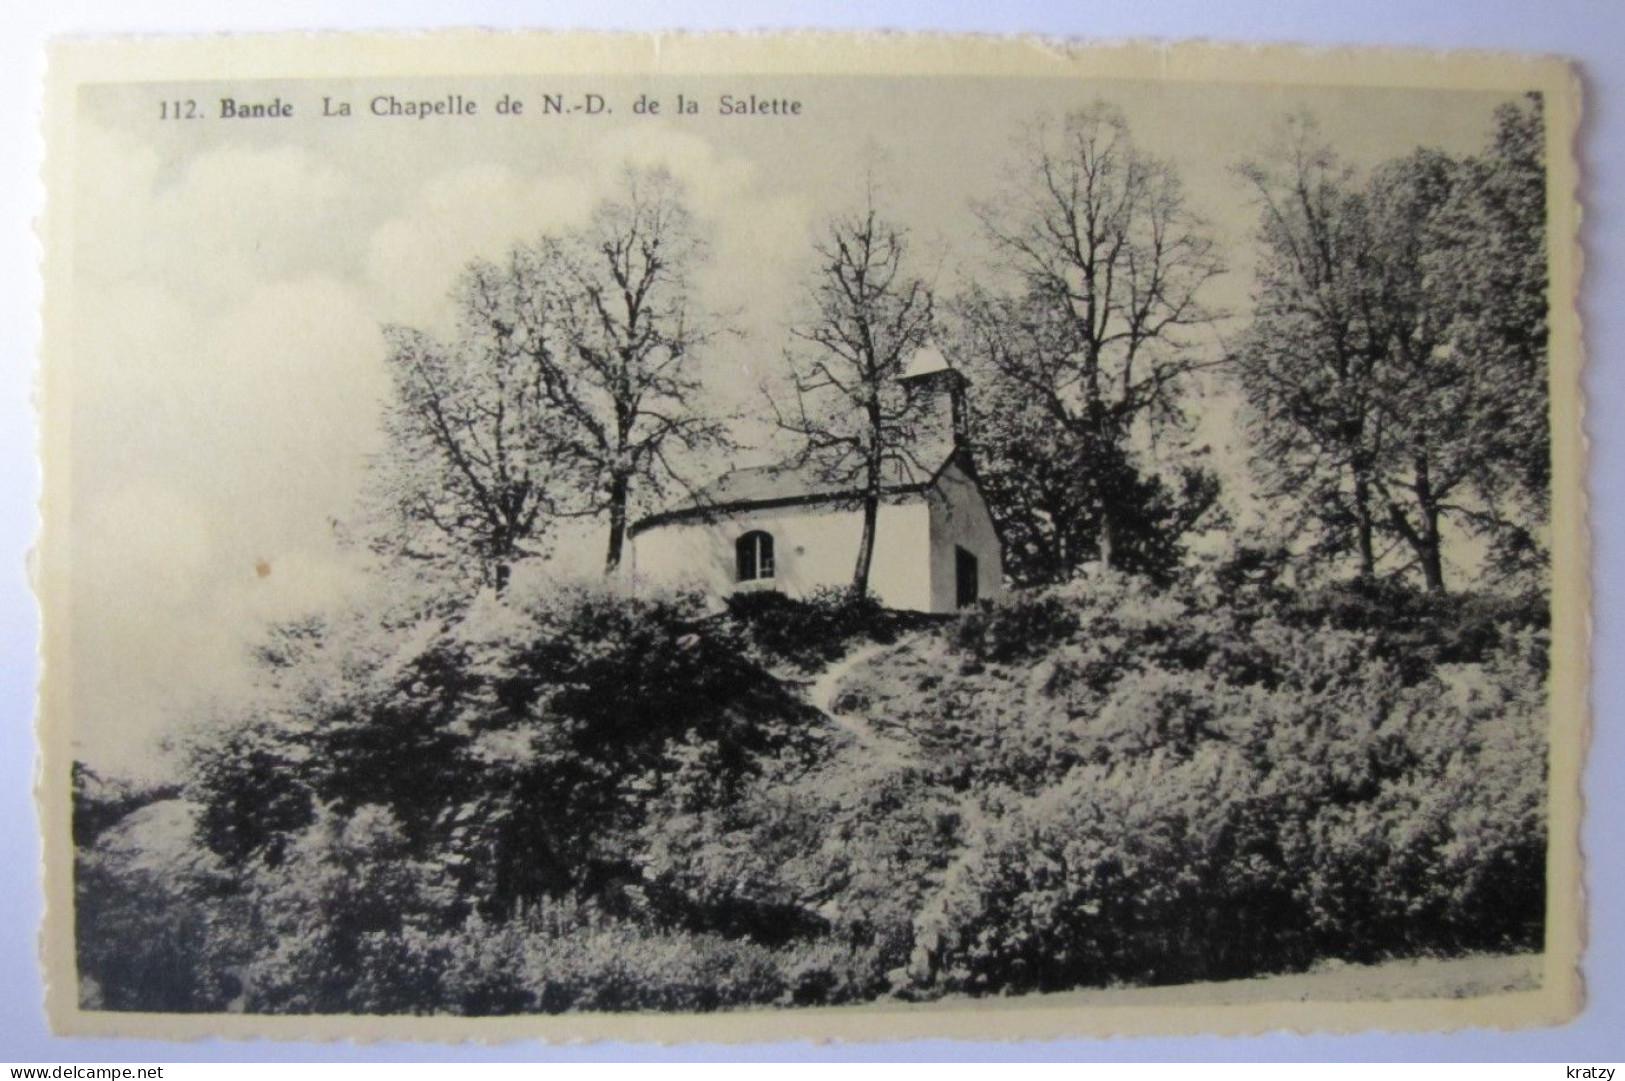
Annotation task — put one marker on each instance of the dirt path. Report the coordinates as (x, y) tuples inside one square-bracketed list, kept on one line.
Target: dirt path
[(823, 690)]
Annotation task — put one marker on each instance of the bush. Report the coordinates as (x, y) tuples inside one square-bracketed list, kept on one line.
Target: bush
[(1119, 874), (810, 633), (1420, 630), (155, 917), (565, 956), (1204, 791), (565, 799), (522, 731), (1023, 624), (100, 802)]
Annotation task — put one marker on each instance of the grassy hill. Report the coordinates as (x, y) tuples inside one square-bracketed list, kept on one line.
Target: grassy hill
[(564, 799)]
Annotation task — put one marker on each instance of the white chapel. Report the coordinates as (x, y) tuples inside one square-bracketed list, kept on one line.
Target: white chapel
[(783, 527)]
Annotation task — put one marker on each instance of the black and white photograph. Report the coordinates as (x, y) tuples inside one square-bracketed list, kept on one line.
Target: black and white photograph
[(781, 542)]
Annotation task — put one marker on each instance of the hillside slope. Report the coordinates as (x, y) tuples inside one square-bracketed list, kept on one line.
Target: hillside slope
[(565, 800)]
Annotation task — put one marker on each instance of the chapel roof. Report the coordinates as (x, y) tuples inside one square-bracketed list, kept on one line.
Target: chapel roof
[(794, 483), (789, 484), (927, 360)]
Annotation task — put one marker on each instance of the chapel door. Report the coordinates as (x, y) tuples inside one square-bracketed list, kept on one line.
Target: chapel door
[(964, 577)]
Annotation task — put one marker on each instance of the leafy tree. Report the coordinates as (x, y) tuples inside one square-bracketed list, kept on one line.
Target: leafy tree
[(871, 313), (1423, 392), (1044, 482), (1094, 344), (1306, 362), (1487, 268), (1365, 365)]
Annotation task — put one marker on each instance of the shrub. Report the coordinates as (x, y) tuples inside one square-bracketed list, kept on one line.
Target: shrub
[(565, 956), (1260, 793), (1022, 624), (1419, 630), (341, 921), (565, 799), (810, 633), (156, 920), (522, 731), (100, 802)]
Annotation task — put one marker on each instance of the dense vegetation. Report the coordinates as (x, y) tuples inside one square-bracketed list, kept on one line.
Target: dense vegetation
[(557, 798)]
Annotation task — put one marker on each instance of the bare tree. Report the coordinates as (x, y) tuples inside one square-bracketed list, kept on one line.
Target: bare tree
[(476, 470), (871, 313), (569, 385), (1108, 261), (628, 335)]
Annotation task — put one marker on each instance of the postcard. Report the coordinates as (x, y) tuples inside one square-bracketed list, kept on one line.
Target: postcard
[(680, 537)]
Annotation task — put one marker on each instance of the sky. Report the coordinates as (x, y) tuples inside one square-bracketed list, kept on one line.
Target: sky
[(230, 279)]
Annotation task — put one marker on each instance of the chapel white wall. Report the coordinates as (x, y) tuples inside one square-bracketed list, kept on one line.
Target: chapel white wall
[(960, 518), (813, 546)]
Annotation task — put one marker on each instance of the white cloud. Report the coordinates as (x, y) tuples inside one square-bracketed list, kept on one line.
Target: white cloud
[(271, 394), (207, 445), (230, 218), (480, 210), (167, 607)]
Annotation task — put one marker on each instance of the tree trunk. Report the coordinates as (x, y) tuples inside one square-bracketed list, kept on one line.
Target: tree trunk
[(871, 490), (618, 487), (1062, 565), (1101, 437), (1428, 548), (1424, 541), (866, 546), (1363, 527), (1432, 563)]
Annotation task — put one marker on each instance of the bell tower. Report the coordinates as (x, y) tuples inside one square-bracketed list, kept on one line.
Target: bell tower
[(936, 395)]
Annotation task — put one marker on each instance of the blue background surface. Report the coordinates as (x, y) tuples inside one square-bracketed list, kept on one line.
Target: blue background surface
[(1591, 31)]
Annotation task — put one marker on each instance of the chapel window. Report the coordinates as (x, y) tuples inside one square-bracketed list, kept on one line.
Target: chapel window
[(754, 555)]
